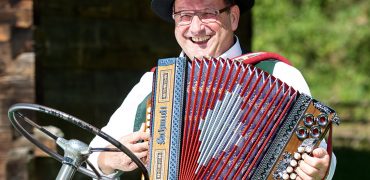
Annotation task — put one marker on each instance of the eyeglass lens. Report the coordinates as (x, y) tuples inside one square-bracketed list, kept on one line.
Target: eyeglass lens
[(186, 18)]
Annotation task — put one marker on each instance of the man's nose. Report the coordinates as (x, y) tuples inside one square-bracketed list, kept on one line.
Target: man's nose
[(196, 25)]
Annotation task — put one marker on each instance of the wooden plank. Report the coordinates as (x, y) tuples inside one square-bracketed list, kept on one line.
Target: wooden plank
[(5, 33), (23, 14), (5, 138), (7, 16)]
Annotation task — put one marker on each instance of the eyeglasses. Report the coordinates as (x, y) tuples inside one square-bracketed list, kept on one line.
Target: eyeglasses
[(183, 18)]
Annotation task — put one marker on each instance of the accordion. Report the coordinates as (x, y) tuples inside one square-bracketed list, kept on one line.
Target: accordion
[(226, 119)]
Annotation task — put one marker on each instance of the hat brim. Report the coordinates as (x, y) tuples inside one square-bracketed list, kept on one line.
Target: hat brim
[(163, 8)]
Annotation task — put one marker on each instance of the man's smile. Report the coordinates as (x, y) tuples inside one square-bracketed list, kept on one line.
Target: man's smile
[(200, 40)]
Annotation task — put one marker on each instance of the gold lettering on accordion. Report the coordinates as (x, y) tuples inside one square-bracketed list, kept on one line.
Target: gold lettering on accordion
[(159, 163), (162, 125), (160, 147), (164, 86)]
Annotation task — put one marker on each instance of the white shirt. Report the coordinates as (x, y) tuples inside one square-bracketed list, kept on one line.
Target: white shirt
[(122, 121)]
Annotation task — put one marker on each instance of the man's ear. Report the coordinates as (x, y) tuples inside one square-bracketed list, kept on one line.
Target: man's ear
[(234, 17)]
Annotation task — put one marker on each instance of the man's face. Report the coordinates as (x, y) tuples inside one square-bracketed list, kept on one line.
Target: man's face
[(200, 39)]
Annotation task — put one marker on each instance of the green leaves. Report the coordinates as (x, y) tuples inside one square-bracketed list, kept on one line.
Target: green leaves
[(329, 41)]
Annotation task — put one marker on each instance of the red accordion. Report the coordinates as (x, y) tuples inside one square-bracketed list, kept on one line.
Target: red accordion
[(225, 119)]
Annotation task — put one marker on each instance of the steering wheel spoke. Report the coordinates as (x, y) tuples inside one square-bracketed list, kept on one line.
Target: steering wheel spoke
[(105, 150), (40, 128)]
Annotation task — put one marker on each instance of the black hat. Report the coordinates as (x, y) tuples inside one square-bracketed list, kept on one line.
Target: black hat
[(163, 8)]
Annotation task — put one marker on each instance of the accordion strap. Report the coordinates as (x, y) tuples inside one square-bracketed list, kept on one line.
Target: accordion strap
[(329, 148), (254, 58)]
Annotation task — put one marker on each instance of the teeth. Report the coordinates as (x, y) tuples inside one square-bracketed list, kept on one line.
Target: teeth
[(200, 39)]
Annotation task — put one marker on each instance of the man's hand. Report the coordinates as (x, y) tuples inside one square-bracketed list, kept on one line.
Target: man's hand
[(110, 161), (315, 166)]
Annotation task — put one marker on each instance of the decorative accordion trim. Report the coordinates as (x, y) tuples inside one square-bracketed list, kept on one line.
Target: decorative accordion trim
[(282, 137)]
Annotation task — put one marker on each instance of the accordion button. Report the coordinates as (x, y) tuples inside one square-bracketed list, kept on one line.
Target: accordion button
[(289, 169), (293, 163), (315, 131), (301, 132), (285, 176), (297, 156), (308, 120), (300, 149), (308, 149), (322, 119), (293, 176)]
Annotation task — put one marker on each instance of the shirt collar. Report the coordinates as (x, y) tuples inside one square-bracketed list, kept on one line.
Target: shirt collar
[(234, 51)]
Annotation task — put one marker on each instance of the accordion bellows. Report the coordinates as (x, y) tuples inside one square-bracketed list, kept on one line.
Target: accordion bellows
[(225, 119)]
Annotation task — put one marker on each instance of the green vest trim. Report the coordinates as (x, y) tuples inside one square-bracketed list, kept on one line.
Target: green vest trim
[(267, 65), (141, 113)]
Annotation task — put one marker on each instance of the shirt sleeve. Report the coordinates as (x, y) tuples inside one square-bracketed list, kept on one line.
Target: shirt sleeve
[(293, 77), (122, 121)]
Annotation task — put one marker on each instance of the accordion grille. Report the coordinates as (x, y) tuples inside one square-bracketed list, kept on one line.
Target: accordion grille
[(232, 110)]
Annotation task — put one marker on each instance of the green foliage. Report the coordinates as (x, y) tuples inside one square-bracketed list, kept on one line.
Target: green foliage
[(329, 41)]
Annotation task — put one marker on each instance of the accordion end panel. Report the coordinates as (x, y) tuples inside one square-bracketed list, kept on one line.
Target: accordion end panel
[(306, 126), (166, 119)]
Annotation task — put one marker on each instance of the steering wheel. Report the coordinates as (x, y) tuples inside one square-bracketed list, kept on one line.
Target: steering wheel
[(14, 115)]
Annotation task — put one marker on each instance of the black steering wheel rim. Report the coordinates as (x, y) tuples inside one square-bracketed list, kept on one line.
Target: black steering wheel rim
[(75, 121)]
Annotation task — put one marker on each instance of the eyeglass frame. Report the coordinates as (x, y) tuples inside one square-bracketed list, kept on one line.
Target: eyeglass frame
[(199, 14)]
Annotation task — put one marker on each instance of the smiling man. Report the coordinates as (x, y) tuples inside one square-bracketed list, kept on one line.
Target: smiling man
[(202, 28), (205, 28)]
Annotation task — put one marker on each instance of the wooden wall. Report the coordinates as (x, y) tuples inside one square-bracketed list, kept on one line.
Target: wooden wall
[(16, 67)]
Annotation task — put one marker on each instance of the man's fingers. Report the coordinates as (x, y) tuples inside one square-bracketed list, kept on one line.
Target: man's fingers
[(133, 142), (319, 153), (131, 164), (131, 167), (301, 174), (137, 136), (320, 159), (134, 137), (139, 147), (127, 160), (315, 166), (298, 178), (141, 154), (307, 169)]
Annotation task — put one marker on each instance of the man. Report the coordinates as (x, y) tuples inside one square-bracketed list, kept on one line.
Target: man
[(202, 28)]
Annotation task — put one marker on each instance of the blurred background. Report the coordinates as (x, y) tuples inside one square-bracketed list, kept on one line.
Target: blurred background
[(83, 57)]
